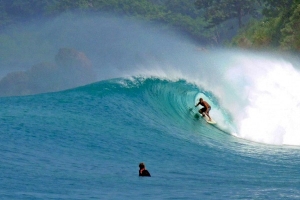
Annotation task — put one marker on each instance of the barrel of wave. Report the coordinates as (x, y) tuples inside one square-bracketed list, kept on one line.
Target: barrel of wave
[(217, 113)]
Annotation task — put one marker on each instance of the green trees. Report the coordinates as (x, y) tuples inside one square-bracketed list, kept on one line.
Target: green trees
[(127, 7), (273, 8), (219, 11), (184, 7), (202, 19), (180, 14), (279, 28), (291, 31)]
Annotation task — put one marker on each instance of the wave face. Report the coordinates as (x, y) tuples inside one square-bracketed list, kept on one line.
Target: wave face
[(87, 143), (254, 96)]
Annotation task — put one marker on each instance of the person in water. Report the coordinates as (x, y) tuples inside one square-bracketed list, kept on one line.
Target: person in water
[(143, 171), (206, 108)]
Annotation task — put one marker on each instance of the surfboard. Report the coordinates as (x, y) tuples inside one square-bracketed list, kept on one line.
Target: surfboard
[(197, 116), (209, 121)]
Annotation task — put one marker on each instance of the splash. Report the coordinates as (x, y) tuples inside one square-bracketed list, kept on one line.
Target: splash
[(269, 90)]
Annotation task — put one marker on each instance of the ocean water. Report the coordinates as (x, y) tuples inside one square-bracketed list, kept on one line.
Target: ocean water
[(87, 142)]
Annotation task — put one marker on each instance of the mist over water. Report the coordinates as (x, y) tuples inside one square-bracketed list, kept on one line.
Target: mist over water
[(260, 92), (114, 44)]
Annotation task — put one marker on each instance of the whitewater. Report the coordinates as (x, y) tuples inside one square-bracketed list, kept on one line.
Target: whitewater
[(87, 142)]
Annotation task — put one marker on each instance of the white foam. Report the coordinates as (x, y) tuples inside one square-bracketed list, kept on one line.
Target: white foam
[(271, 92)]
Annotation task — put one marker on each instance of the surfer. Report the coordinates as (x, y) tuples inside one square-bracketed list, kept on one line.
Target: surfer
[(206, 108), (143, 171)]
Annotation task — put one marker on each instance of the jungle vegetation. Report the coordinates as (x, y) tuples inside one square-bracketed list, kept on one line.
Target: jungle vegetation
[(242, 23)]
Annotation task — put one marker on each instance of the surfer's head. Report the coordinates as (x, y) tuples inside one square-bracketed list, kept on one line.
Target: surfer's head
[(142, 165), (200, 99)]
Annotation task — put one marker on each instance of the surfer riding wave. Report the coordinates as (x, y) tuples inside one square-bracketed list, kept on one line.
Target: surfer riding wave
[(206, 108)]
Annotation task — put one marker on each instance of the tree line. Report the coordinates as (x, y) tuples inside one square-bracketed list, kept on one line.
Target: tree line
[(278, 28), (175, 13), (258, 22)]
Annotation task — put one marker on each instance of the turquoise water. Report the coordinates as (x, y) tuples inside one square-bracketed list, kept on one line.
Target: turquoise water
[(87, 142)]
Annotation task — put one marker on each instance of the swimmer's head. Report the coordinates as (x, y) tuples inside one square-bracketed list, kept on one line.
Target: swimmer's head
[(142, 165)]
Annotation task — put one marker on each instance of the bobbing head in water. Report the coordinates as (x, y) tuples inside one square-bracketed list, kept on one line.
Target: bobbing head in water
[(143, 171)]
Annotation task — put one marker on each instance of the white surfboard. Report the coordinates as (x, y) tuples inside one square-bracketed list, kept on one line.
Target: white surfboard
[(209, 121), (197, 115)]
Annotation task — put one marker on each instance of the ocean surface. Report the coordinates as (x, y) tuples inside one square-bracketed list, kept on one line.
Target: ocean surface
[(87, 142)]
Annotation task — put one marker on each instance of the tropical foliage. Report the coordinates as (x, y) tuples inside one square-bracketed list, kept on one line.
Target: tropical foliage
[(207, 21), (280, 27), (176, 13), (219, 11)]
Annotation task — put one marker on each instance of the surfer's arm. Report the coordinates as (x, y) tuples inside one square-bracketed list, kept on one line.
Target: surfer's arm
[(197, 104)]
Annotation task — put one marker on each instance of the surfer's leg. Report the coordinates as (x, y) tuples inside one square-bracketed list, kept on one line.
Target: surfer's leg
[(201, 111), (208, 114)]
